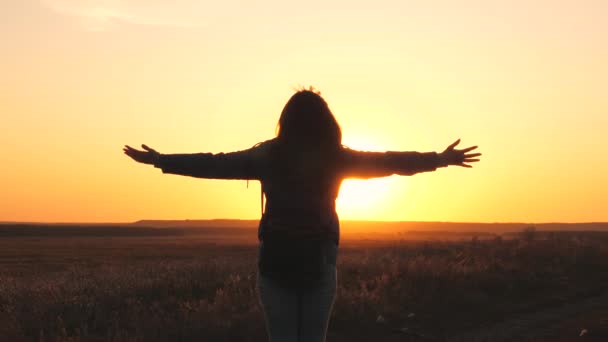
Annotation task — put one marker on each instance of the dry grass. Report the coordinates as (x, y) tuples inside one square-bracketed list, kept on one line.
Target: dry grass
[(182, 288)]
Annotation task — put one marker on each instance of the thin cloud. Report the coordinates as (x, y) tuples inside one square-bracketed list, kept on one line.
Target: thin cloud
[(99, 15)]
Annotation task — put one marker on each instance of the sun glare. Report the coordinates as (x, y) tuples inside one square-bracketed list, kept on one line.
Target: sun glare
[(360, 198)]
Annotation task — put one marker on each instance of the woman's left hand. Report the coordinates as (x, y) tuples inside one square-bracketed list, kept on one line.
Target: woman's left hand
[(452, 156)]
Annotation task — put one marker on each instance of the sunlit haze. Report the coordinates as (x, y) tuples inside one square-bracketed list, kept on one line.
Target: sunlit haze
[(524, 80)]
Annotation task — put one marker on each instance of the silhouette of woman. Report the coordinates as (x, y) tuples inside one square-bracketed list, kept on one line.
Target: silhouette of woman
[(300, 170)]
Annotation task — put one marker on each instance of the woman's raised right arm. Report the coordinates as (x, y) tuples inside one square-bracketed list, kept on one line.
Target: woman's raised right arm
[(234, 165)]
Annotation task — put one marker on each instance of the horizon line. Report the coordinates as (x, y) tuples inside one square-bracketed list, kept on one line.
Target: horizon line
[(257, 220)]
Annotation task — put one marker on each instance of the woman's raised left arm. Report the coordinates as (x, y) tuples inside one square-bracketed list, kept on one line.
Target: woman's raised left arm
[(362, 164)]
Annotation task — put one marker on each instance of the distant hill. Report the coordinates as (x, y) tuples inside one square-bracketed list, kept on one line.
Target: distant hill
[(216, 223), (390, 226)]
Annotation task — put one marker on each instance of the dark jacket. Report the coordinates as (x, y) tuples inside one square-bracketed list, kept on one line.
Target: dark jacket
[(297, 200)]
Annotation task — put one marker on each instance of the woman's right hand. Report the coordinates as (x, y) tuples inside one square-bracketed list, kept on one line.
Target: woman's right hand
[(149, 156)]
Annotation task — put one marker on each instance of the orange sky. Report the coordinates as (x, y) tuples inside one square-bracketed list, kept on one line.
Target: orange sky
[(527, 83)]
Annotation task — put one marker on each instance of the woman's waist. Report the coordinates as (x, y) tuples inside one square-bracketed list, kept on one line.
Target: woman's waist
[(300, 227), (299, 219)]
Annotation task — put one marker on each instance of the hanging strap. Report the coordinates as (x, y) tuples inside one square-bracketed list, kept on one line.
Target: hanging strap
[(261, 199)]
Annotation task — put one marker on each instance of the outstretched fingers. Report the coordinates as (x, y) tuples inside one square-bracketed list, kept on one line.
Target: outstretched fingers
[(451, 147), (149, 149), (471, 157), (468, 149), (465, 162)]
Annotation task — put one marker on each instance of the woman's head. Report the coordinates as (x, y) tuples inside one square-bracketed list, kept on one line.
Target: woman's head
[(307, 120)]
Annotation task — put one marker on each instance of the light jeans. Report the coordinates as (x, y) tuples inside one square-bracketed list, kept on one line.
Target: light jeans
[(298, 316)]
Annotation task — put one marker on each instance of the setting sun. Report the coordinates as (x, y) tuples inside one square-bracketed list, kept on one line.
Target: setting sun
[(360, 198)]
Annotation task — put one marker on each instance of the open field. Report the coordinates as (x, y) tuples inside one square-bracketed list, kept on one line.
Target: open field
[(169, 283)]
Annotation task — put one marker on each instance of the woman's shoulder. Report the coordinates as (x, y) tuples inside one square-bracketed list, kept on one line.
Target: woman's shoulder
[(262, 148), (264, 145)]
